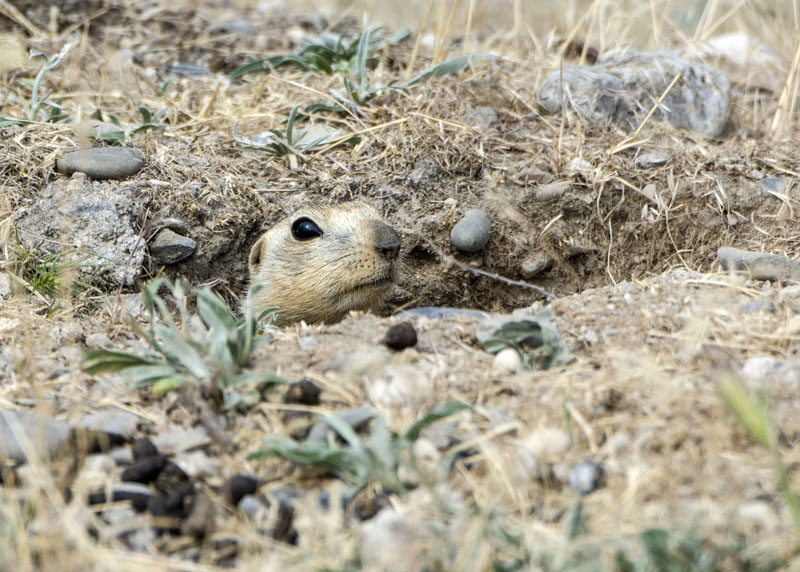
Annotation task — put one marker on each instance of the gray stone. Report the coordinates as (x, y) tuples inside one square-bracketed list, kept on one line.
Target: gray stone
[(19, 429), (758, 306), (92, 223), (482, 117), (115, 421), (98, 340), (651, 159), (188, 69), (356, 418), (5, 285), (102, 162), (535, 264), (251, 506), (122, 456), (197, 464), (759, 265), (585, 477), (774, 184), (472, 232), (170, 247), (424, 171), (622, 87), (179, 440)]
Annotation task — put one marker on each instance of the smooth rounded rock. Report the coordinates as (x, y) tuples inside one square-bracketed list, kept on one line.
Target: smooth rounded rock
[(548, 443), (472, 232), (169, 247), (18, 429), (102, 162), (400, 336), (652, 159), (585, 477), (506, 362), (759, 265)]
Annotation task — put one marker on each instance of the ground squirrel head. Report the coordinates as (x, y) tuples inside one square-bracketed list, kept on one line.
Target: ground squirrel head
[(321, 263)]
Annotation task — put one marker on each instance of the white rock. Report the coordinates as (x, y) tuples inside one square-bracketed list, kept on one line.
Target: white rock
[(399, 384), (5, 285), (758, 370), (391, 541), (547, 444), (506, 362)]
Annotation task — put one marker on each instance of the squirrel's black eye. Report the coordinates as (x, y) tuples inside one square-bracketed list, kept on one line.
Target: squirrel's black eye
[(305, 229)]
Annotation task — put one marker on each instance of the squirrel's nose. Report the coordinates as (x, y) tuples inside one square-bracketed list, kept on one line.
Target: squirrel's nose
[(387, 241)]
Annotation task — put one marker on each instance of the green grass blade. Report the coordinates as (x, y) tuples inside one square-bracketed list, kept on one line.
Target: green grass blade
[(434, 415), (107, 361), (451, 66)]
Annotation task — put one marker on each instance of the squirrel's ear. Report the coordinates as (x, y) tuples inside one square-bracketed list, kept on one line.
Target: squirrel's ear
[(257, 254)]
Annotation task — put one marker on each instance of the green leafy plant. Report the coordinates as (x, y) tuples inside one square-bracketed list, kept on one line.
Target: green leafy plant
[(150, 122), (352, 60), (358, 461), (286, 143), (33, 106), (328, 54), (536, 340), (41, 271), (211, 346)]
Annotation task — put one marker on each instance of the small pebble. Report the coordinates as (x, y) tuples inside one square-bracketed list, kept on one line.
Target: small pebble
[(425, 171), (759, 265), (307, 342), (169, 247), (238, 487), (102, 162), (400, 336), (506, 362), (304, 392), (585, 477), (482, 117), (143, 448), (651, 159), (98, 340), (472, 232), (114, 421), (535, 264), (548, 443), (758, 306)]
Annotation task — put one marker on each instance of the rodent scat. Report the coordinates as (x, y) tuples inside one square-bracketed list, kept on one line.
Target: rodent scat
[(320, 263)]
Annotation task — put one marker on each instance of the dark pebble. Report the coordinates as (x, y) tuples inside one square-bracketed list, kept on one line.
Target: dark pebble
[(139, 499), (239, 486), (145, 470), (169, 511), (304, 392), (171, 478), (400, 336), (144, 447)]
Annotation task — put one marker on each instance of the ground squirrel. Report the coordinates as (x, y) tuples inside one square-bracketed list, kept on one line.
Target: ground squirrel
[(321, 263)]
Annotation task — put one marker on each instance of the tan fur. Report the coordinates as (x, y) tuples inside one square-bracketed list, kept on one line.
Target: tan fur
[(322, 279)]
